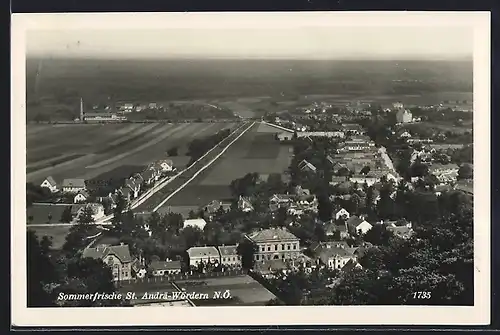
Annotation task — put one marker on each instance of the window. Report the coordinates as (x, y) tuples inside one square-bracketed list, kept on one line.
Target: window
[(269, 248), (283, 256), (263, 248), (275, 247), (288, 246), (294, 246), (257, 257), (223, 259), (110, 260), (282, 247)]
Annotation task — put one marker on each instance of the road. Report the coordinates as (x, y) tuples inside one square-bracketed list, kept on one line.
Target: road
[(388, 161), (154, 198)]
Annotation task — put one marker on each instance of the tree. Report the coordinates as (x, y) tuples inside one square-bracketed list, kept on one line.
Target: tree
[(66, 215), (325, 208), (247, 249), (378, 235), (120, 205), (88, 276), (364, 170), (86, 216), (465, 171), (41, 273), (172, 152)]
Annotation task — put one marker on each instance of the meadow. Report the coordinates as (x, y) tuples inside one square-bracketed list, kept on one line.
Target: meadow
[(94, 151)]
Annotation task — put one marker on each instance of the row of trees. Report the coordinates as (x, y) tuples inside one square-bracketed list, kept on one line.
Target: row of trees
[(51, 274), (198, 147)]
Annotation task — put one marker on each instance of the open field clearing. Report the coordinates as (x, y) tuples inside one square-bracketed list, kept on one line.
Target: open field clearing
[(254, 152), (45, 213), (244, 290), (87, 151)]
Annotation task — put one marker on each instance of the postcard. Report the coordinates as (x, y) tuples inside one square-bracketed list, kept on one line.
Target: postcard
[(284, 168)]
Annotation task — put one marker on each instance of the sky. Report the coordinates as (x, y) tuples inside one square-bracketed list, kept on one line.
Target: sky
[(260, 41)]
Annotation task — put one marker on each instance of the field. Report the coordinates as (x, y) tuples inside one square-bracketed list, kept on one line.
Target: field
[(92, 150), (256, 151)]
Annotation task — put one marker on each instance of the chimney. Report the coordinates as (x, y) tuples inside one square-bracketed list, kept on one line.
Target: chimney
[(121, 243), (81, 110)]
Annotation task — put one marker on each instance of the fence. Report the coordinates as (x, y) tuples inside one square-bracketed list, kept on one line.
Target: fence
[(178, 277)]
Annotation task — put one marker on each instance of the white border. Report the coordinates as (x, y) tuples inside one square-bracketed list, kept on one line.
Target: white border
[(479, 314)]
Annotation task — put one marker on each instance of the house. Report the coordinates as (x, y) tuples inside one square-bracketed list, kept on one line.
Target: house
[(444, 172), (275, 243), (149, 176), (403, 232), (267, 268), (97, 210), (351, 265), (316, 247), (50, 183), (332, 228), (73, 185), (199, 223), (198, 255), (166, 165), (357, 225), (168, 267), (280, 200), (336, 180), (338, 166), (306, 166), (404, 134), (126, 192), (362, 179), (302, 192), (138, 269), (229, 255), (244, 204), (81, 196), (353, 129), (440, 189), (285, 136), (403, 116), (134, 186), (342, 213), (117, 257), (215, 205), (335, 258)]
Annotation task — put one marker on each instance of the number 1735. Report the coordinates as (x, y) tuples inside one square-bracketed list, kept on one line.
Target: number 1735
[(421, 295)]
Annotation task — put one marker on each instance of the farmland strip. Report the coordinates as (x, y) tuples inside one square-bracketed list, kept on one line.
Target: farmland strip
[(126, 140), (139, 148), (53, 162)]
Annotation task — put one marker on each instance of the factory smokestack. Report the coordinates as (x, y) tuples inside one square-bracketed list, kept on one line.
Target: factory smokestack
[(81, 110)]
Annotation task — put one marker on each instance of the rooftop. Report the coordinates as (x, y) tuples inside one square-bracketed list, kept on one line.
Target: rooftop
[(122, 252), (272, 234)]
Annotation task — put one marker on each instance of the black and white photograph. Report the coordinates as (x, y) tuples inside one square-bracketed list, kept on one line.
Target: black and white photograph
[(312, 162)]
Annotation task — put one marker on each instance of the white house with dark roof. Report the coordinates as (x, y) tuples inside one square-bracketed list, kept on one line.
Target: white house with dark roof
[(229, 255), (73, 185), (81, 196), (166, 165), (342, 213), (50, 183), (335, 258), (275, 243), (117, 257), (204, 255), (162, 268), (357, 225)]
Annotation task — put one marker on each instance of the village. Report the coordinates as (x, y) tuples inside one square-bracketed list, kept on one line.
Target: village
[(323, 214)]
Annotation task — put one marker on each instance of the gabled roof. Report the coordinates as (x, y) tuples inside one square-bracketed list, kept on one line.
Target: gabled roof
[(435, 167), (351, 265), (272, 234), (51, 181), (76, 182), (122, 252), (354, 221), (305, 164), (84, 193), (244, 203), (203, 252), (326, 253), (228, 250), (166, 265)]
